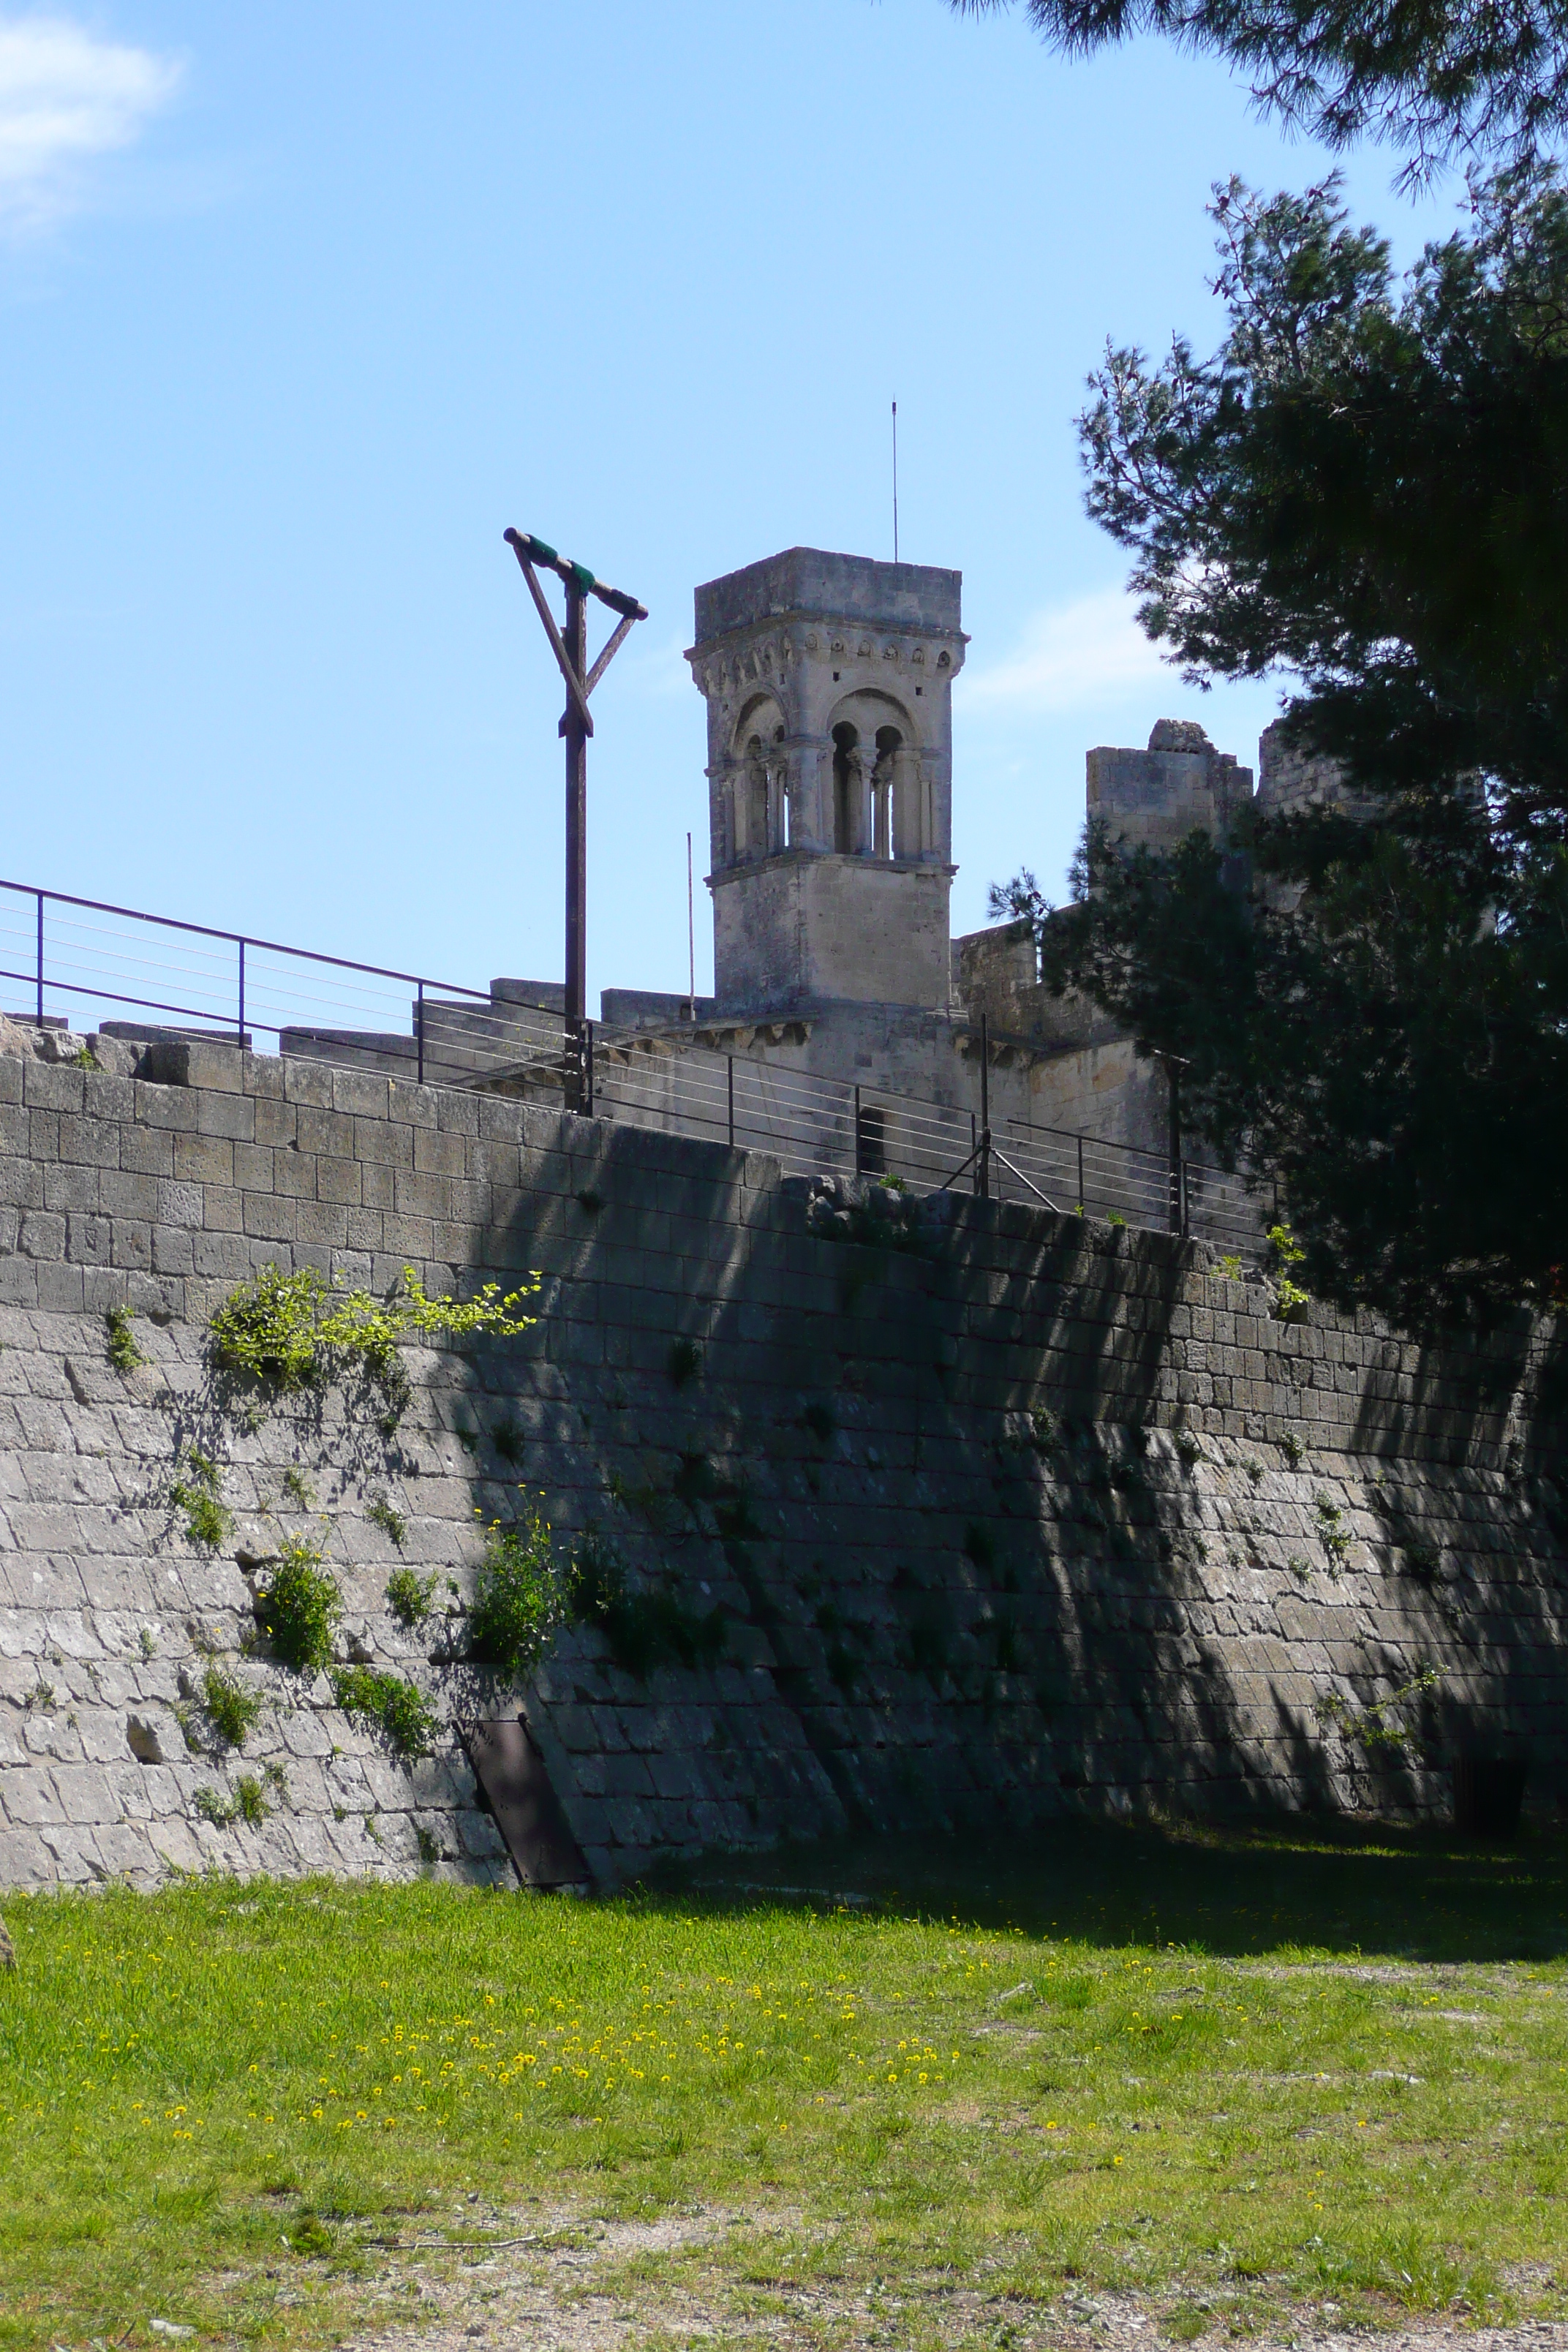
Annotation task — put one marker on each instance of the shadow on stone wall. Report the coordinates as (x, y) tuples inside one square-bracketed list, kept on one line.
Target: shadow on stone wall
[(942, 1488)]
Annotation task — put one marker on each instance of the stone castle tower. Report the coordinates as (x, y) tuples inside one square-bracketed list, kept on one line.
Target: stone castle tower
[(828, 682)]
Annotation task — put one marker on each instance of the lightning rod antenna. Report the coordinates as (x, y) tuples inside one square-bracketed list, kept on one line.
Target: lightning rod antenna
[(690, 940), (895, 482)]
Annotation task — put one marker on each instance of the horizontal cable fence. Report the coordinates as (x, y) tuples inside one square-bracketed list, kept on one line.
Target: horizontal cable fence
[(83, 965)]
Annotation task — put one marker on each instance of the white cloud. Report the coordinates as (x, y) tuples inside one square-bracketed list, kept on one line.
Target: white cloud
[(1069, 653), (66, 98)]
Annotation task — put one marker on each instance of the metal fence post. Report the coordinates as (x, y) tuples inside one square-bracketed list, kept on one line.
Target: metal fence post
[(1082, 1202), (588, 1069), (857, 1130), (419, 1028), (40, 959), (730, 1089), (240, 1032)]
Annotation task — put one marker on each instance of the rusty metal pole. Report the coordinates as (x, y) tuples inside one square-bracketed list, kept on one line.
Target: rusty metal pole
[(571, 652), (576, 734)]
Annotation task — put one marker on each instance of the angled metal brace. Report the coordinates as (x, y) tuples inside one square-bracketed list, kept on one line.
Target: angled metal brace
[(574, 685)]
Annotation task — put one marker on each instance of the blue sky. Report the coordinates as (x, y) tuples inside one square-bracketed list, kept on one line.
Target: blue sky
[(301, 307)]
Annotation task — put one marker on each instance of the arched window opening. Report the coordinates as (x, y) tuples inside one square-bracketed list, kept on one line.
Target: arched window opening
[(848, 786), (884, 778), (780, 834), (752, 799)]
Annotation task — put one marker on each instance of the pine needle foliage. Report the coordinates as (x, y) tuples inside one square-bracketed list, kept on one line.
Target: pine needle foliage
[(1361, 490)]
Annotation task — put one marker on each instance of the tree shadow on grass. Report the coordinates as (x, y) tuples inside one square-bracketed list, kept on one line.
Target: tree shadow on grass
[(1371, 1892)]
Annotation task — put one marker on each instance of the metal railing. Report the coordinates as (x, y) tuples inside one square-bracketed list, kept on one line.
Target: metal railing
[(83, 963)]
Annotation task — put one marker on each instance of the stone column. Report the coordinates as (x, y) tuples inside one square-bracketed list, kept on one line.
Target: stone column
[(809, 758)]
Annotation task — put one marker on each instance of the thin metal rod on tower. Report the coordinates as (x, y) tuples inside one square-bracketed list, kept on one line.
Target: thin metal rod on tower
[(895, 482), (570, 647)]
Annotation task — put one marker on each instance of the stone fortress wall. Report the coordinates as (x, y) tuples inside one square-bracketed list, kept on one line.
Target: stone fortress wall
[(1003, 1512)]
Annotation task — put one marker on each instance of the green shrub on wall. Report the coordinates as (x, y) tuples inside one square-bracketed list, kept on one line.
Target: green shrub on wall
[(291, 1331), (233, 1709), (643, 1631), (410, 1596), (299, 1606), (198, 1495), (522, 1596), (390, 1701)]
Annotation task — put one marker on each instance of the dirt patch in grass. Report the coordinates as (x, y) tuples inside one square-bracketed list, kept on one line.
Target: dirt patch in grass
[(614, 2289)]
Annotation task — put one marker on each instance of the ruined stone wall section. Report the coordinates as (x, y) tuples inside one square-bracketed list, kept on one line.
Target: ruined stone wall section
[(1003, 1511)]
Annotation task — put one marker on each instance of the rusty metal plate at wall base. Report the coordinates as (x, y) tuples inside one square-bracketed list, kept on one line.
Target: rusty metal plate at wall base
[(510, 1770)]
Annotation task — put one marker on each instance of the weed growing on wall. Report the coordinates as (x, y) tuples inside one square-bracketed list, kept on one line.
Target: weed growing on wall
[(521, 1597), (643, 1631), (297, 1490), (1332, 1533), (390, 1702), (233, 1709), (298, 1607), (123, 1351), (1045, 1431), (198, 1496), (683, 1362), (410, 1597), (980, 1547), (247, 1804), (383, 1515), (1290, 1301), (293, 1331), (928, 1650), (1378, 1726), (190, 1731)]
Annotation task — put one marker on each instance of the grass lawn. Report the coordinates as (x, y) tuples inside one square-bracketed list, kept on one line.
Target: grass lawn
[(1226, 2073)]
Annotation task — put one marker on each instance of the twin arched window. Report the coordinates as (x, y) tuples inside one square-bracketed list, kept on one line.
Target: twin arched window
[(761, 798), (876, 794), (872, 794)]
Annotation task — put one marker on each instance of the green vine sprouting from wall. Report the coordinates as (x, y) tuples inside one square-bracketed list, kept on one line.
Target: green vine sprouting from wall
[(1290, 1301), (642, 1630), (1370, 1727), (292, 1331), (249, 1804)]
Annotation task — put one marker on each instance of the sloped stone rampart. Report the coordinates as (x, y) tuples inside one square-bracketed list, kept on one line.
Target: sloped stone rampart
[(1003, 1512)]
